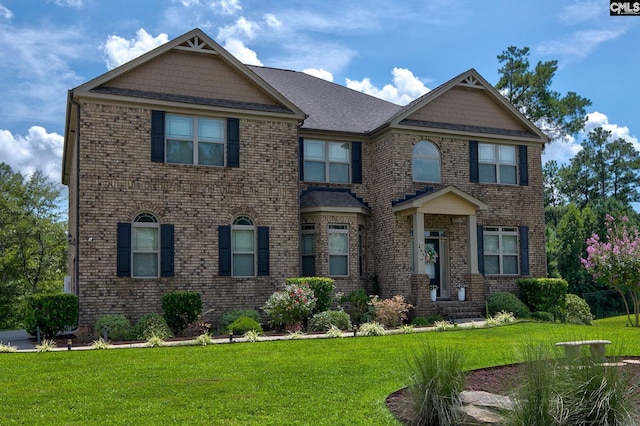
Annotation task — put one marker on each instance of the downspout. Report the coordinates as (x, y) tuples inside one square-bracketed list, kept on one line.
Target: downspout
[(76, 265)]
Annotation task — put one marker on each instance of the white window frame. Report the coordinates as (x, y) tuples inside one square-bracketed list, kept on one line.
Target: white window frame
[(501, 253), (195, 139), (307, 229), (146, 221), (327, 160), (415, 157), (338, 229), (497, 162), (238, 225)]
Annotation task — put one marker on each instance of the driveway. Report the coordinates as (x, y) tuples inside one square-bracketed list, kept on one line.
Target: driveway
[(17, 338)]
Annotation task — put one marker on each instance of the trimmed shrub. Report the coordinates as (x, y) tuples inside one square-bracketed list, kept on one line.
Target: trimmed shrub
[(290, 307), (53, 313), (325, 320), (244, 324), (322, 290), (152, 325), (118, 327), (503, 301), (543, 294), (576, 311), (229, 317), (181, 308), (430, 320)]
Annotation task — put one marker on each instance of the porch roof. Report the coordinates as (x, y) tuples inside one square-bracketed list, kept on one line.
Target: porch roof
[(449, 200), (336, 200)]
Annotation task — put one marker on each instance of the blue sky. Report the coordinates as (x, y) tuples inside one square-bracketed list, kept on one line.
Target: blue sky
[(396, 50)]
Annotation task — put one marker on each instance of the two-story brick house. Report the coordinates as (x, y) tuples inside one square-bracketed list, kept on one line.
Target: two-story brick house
[(189, 170)]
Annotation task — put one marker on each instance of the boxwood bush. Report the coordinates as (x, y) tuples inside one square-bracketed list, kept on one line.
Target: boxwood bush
[(53, 313), (543, 294), (181, 308), (244, 324), (229, 317), (507, 302), (118, 327), (576, 311)]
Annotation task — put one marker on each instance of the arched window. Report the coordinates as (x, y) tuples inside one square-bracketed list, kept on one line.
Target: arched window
[(243, 247), (145, 247), (426, 162)]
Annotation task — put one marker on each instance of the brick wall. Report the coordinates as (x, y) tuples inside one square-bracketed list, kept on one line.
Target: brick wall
[(118, 181)]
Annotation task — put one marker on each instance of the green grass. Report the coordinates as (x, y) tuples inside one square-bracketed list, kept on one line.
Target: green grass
[(318, 381)]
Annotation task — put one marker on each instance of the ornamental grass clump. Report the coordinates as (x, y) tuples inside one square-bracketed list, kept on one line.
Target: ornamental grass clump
[(436, 378), (290, 307)]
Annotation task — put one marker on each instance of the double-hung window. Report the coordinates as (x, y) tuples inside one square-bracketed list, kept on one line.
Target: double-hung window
[(338, 250), (308, 250), (145, 248), (500, 250), (243, 247), (326, 161), (497, 163), (195, 140)]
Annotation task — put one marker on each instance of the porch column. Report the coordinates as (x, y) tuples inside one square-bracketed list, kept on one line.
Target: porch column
[(473, 244), (418, 243)]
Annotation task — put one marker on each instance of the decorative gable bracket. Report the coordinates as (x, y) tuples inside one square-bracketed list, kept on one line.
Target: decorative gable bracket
[(472, 82), (195, 44)]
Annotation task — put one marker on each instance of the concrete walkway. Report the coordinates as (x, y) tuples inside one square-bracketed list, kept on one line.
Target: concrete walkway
[(18, 338)]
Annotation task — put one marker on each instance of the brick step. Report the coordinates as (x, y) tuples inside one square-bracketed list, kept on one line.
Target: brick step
[(454, 309)]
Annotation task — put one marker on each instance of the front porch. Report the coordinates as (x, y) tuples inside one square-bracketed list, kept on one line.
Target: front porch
[(473, 305)]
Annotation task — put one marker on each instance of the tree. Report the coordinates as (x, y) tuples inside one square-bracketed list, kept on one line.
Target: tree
[(33, 247), (616, 262), (530, 92)]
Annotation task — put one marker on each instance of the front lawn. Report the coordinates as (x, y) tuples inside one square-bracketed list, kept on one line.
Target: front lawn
[(317, 381)]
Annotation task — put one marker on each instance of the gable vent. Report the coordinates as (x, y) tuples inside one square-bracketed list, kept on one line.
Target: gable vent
[(195, 44)]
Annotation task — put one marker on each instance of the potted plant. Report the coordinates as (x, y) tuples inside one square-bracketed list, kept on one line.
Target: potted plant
[(433, 292), (461, 291)]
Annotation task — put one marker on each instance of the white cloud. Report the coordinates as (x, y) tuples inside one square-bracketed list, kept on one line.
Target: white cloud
[(580, 44), (70, 3), (563, 150), (242, 28), (242, 52), (405, 88), (272, 21), (320, 73), (583, 11), (227, 7), (38, 150), (118, 50), (5, 12)]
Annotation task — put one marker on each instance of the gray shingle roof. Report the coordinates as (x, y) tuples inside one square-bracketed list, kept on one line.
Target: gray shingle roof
[(330, 198), (329, 106)]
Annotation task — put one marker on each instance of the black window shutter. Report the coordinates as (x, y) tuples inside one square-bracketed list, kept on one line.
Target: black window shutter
[(233, 142), (523, 163), (524, 249), (224, 251), (480, 249), (124, 250), (356, 162), (157, 136), (301, 158), (263, 250), (166, 250), (474, 172)]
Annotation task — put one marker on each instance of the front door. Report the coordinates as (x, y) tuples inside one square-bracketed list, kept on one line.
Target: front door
[(435, 269)]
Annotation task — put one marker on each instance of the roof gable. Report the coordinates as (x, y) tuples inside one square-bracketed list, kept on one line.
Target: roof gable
[(468, 104), (191, 69)]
